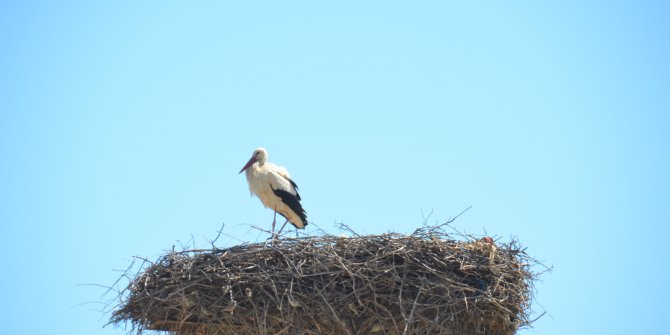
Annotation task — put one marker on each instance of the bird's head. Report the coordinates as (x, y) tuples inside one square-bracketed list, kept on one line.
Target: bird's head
[(260, 155)]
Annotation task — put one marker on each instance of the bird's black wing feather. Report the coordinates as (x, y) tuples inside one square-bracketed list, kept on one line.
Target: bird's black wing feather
[(293, 202), (294, 186)]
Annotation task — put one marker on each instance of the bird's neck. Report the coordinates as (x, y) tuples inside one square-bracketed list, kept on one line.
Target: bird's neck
[(254, 168)]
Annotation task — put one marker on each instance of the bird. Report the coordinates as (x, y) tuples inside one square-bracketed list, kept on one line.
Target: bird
[(273, 185)]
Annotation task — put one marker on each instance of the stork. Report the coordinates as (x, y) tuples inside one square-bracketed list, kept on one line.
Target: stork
[(274, 187)]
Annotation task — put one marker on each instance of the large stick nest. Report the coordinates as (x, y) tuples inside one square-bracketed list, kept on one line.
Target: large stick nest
[(423, 283)]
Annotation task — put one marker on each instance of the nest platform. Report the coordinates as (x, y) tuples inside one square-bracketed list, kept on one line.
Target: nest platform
[(422, 283)]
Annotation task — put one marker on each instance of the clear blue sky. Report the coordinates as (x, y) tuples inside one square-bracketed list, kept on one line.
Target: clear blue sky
[(123, 126)]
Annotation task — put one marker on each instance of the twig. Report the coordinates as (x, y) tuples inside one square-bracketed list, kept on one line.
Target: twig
[(456, 217), (411, 313)]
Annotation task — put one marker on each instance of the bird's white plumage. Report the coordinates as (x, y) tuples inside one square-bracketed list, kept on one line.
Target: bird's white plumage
[(264, 178)]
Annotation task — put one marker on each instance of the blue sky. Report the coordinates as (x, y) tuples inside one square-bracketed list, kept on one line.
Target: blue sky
[(123, 126)]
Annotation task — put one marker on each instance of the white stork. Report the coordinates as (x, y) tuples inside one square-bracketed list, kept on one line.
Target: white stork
[(274, 187)]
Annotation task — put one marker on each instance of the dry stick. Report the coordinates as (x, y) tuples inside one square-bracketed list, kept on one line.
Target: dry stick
[(344, 226), (459, 214), (411, 313), (219, 233)]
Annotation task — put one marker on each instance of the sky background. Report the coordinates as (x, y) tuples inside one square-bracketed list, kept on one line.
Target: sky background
[(124, 124)]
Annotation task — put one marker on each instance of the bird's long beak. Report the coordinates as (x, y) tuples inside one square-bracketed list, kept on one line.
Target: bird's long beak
[(251, 161)]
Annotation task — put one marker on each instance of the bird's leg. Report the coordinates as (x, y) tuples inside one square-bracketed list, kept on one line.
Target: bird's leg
[(282, 227), (274, 221)]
